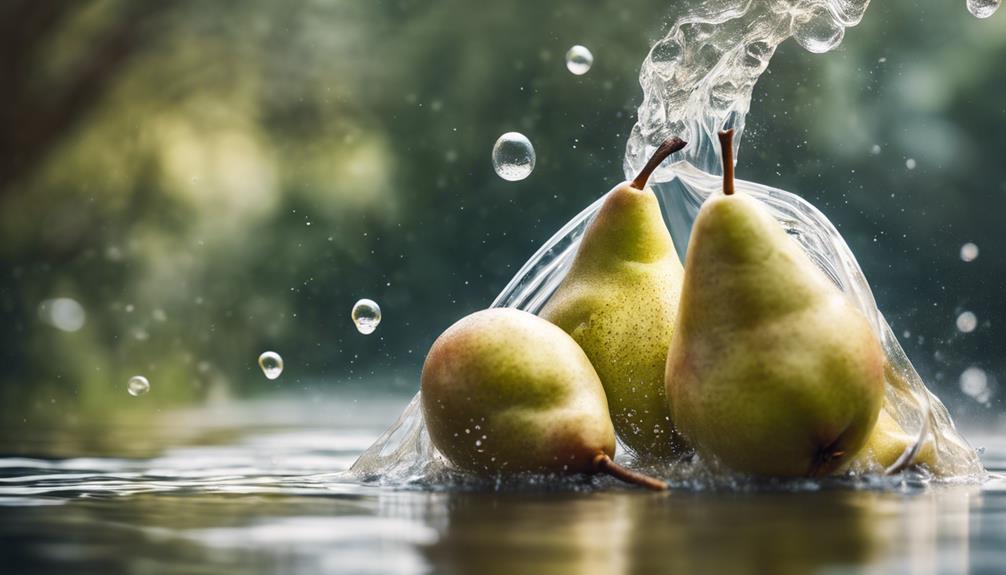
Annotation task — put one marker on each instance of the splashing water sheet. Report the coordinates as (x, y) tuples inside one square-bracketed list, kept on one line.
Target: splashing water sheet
[(697, 80)]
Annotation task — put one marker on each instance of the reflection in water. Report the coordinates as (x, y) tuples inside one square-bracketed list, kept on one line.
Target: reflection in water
[(774, 533), (257, 495)]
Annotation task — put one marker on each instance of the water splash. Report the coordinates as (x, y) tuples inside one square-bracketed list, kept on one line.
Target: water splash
[(404, 454), (696, 81)]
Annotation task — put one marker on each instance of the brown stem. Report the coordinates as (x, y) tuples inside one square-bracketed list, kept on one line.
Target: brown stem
[(667, 148), (727, 148), (604, 464)]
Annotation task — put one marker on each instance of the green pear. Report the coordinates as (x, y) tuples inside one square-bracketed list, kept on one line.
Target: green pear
[(619, 301), (888, 441), (504, 391), (772, 370)]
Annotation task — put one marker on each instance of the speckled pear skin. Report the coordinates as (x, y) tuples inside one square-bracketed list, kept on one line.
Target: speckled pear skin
[(619, 301), (772, 371), (504, 391)]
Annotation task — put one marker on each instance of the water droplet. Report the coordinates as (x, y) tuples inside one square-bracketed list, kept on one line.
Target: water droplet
[(366, 315), (271, 364), (137, 385), (967, 322), (579, 60), (513, 157), (875, 150), (910, 163), (975, 383), (969, 252), (983, 8), (818, 32), (63, 313)]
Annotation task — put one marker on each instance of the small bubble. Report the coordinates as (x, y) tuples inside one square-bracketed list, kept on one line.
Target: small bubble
[(910, 163), (975, 383), (366, 315), (875, 150), (579, 60), (513, 157), (983, 8), (969, 252), (271, 364), (967, 322), (137, 385), (63, 313)]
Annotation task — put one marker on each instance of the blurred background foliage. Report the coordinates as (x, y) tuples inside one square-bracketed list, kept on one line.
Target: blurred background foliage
[(213, 179)]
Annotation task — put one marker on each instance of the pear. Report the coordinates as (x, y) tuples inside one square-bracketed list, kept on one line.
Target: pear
[(772, 370), (504, 391), (619, 301), (888, 441)]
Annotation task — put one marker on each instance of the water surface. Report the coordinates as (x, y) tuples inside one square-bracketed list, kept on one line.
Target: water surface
[(254, 487)]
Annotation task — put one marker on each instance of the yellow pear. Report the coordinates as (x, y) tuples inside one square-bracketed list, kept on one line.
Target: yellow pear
[(772, 371), (888, 441), (504, 391), (619, 301)]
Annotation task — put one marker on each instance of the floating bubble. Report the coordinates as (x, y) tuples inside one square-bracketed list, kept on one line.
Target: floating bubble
[(975, 383), (513, 157), (969, 252), (579, 60), (875, 150), (983, 8), (967, 322), (910, 163), (271, 364), (366, 315), (62, 313), (137, 385)]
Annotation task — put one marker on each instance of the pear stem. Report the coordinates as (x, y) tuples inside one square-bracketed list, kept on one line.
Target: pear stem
[(605, 464), (727, 149), (665, 149)]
